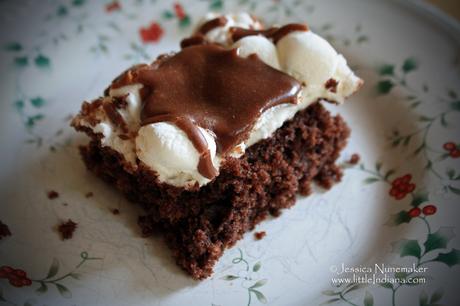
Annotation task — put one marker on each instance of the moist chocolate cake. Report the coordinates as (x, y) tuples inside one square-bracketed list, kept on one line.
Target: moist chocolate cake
[(213, 139)]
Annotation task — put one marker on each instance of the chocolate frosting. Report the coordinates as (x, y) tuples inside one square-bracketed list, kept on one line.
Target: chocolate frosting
[(213, 88), (212, 24), (275, 33)]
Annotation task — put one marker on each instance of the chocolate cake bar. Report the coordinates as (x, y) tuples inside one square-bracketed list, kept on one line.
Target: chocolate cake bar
[(214, 138)]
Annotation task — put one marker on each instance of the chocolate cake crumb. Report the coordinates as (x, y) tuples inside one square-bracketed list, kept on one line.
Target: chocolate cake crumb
[(354, 159), (67, 229), (4, 230), (52, 194), (331, 85), (199, 224), (89, 194), (115, 211), (260, 235)]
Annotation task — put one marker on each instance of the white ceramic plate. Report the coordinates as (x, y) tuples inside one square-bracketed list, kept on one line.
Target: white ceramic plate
[(60, 52)]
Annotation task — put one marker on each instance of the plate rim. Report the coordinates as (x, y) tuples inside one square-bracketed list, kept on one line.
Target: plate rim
[(448, 23)]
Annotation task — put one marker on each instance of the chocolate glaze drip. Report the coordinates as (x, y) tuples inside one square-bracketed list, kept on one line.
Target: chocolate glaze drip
[(212, 24), (196, 39), (275, 33), (213, 88), (199, 37)]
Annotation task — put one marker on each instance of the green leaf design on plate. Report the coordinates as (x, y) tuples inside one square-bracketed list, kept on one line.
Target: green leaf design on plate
[(21, 61), (423, 118), (436, 296), (74, 275), (415, 104), (368, 299), (387, 285), (361, 39), (257, 266), (185, 22), (62, 11), (384, 87), (42, 289), (330, 301), (37, 102), (387, 69), (64, 291), (455, 106), (168, 15), (54, 269), (423, 299), (454, 190), (420, 197), (406, 247), (399, 218), (451, 258), (353, 287), (13, 46), (400, 276), (389, 173), (259, 283), (452, 94), (450, 173), (19, 105), (330, 293), (371, 180), (230, 277), (216, 5), (439, 239), (42, 61), (78, 2), (410, 64), (326, 27), (259, 295), (32, 120)]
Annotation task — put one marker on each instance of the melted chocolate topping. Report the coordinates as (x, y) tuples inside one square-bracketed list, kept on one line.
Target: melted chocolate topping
[(213, 88), (274, 33), (212, 24), (196, 39), (199, 37)]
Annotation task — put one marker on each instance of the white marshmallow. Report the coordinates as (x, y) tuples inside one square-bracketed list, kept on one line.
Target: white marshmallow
[(259, 45), (168, 150)]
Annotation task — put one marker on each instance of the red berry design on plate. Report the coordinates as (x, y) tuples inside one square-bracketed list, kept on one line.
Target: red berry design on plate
[(179, 11), (414, 212), (19, 273), (6, 269), (26, 282), (16, 282), (16, 277), (429, 210), (153, 33), (452, 148), (401, 186), (455, 153), (112, 6), (449, 146)]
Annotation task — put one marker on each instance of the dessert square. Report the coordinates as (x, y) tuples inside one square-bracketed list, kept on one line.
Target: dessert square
[(216, 137)]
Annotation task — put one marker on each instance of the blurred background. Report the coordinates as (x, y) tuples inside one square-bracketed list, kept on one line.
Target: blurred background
[(451, 7)]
